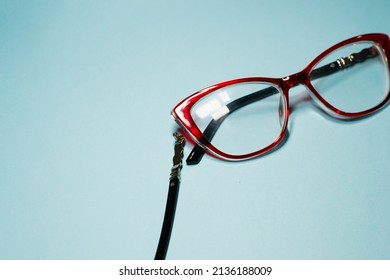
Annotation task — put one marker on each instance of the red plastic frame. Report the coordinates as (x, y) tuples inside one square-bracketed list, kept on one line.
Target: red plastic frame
[(181, 112)]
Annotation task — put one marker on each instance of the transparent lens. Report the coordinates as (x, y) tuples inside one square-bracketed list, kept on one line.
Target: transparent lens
[(354, 78), (242, 118)]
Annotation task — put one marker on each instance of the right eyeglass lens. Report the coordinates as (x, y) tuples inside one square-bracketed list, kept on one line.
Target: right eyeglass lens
[(354, 78), (242, 118)]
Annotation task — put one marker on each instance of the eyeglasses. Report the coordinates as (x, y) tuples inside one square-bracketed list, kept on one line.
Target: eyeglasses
[(246, 118)]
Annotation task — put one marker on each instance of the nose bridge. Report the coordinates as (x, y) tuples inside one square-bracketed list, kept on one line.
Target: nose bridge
[(295, 79)]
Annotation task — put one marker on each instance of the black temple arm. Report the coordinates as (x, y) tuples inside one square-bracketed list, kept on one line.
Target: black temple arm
[(170, 209), (344, 63)]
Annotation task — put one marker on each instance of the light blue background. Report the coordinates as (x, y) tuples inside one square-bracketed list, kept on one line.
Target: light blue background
[(86, 89)]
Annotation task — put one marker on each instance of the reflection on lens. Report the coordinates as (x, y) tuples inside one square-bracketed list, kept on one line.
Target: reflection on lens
[(242, 118), (360, 80)]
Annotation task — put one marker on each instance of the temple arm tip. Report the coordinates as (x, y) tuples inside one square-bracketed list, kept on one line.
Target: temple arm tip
[(195, 156)]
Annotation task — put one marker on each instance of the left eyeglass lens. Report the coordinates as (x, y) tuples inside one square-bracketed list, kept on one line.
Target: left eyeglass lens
[(242, 118), (360, 80)]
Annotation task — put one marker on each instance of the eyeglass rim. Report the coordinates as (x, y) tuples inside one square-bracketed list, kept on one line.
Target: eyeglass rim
[(181, 114), (379, 39), (182, 111)]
